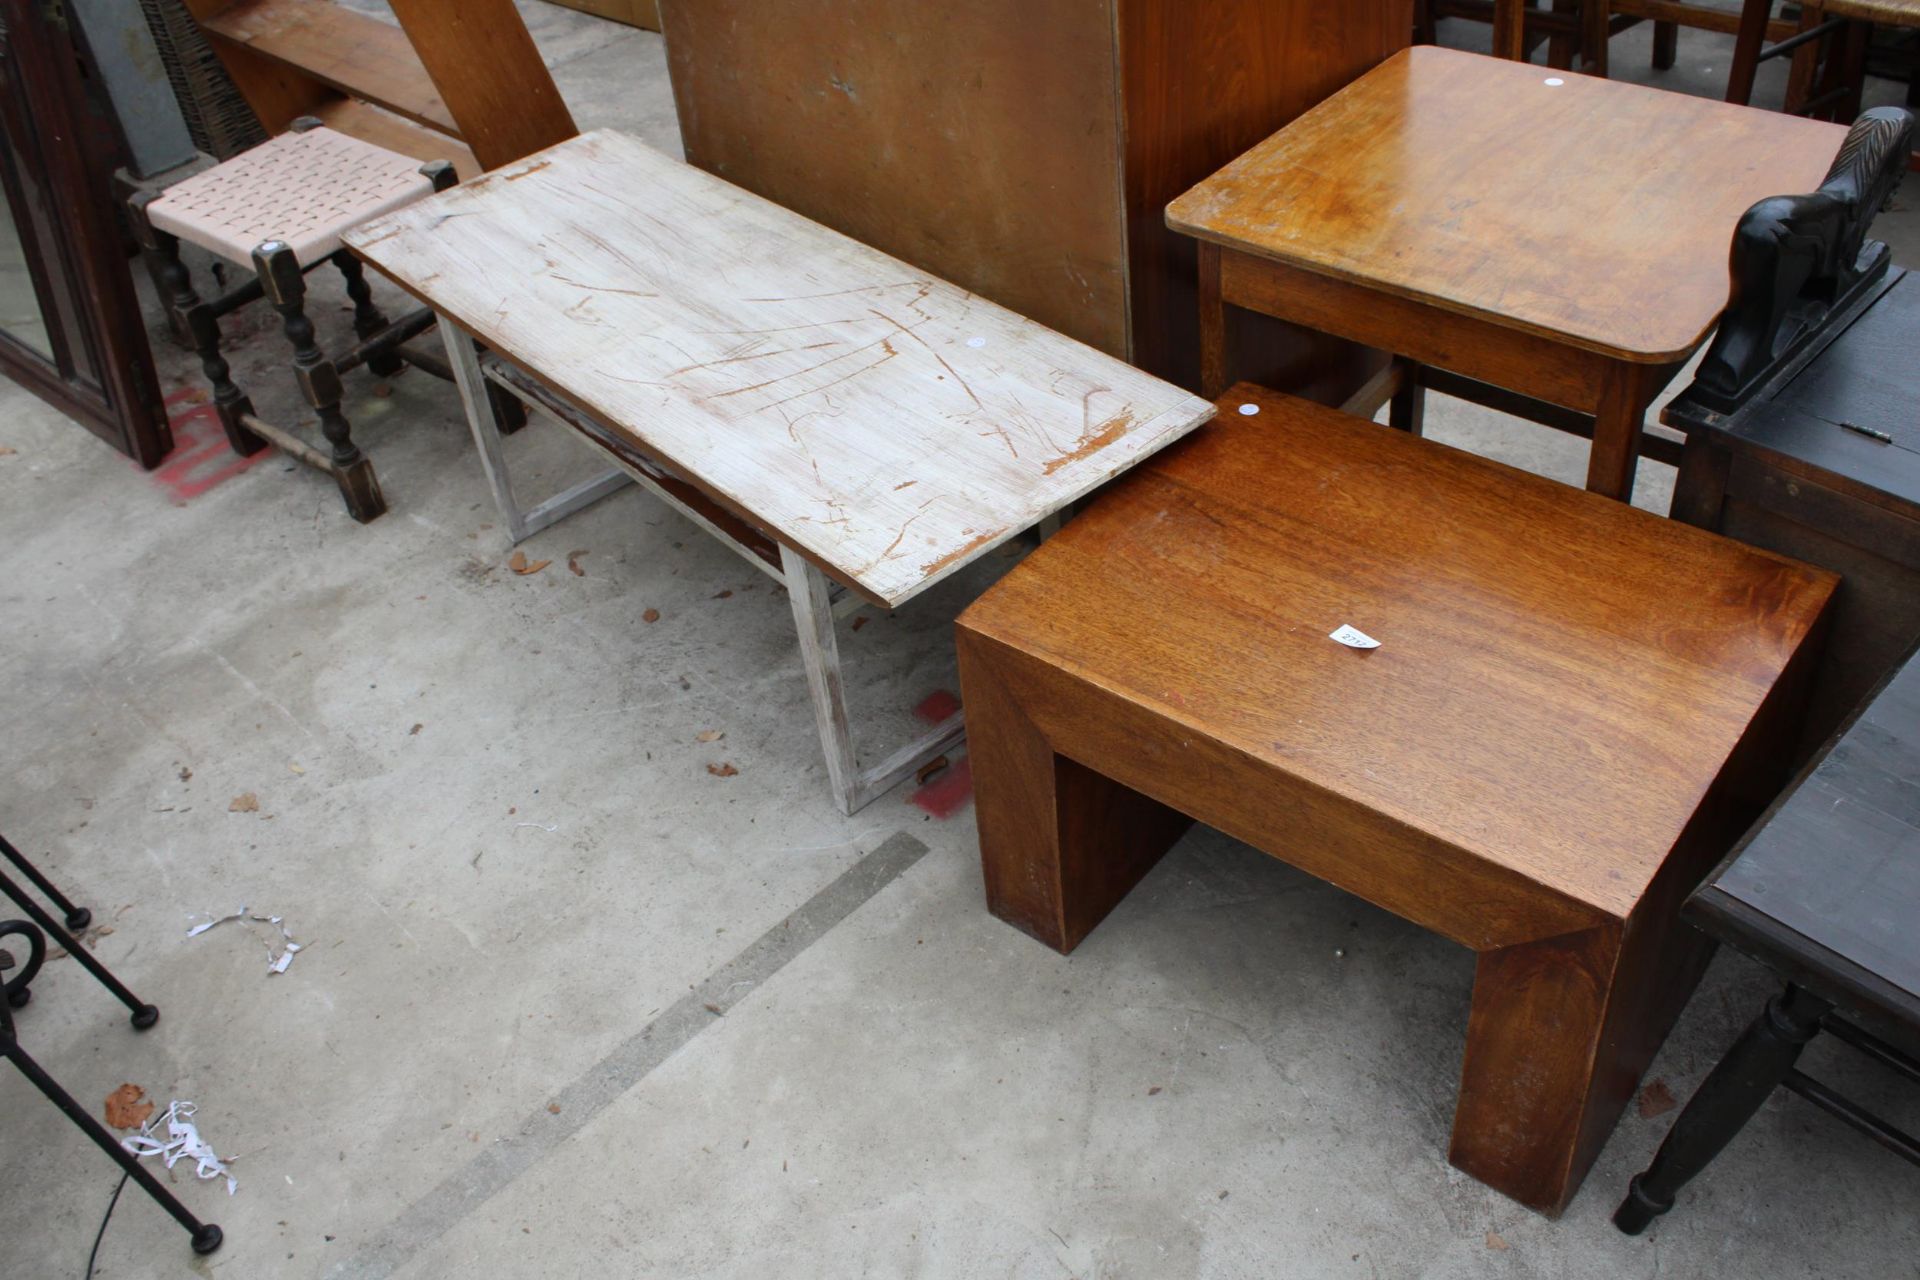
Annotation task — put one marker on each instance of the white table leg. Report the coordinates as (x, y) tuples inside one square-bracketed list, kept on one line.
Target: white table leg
[(481, 416), (465, 359), (808, 592)]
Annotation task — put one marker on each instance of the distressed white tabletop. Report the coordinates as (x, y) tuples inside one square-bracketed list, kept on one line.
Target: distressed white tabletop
[(885, 424)]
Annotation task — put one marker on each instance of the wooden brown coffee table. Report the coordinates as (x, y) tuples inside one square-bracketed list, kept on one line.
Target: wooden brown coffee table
[(1574, 710), (1550, 244)]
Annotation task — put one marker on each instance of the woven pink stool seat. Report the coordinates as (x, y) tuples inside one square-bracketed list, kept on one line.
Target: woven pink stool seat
[(302, 189)]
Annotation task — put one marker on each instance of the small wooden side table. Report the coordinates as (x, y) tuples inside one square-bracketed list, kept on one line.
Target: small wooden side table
[(1825, 892), (1548, 748), (1549, 245)]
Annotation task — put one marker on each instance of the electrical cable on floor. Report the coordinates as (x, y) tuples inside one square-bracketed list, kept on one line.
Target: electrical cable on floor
[(104, 1219)]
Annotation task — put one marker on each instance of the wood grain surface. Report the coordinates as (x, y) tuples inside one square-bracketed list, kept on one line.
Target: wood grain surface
[(1559, 680), (1027, 151), (1590, 211), (889, 426), (353, 52), (1574, 709)]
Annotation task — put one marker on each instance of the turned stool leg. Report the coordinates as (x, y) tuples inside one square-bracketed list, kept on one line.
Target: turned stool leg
[(202, 326), (286, 289), (367, 318), (1731, 1093)]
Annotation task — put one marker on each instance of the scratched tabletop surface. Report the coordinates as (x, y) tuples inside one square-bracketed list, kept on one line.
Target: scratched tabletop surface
[(887, 425)]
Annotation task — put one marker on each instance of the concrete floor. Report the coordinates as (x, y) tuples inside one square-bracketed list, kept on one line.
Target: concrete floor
[(572, 1004)]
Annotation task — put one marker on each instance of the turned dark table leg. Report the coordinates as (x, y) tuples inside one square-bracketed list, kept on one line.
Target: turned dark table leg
[(1756, 1065)]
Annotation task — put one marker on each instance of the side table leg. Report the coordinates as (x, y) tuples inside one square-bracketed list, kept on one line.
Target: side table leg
[(1510, 29), (1407, 411), (483, 419), (1213, 325), (1727, 1099), (1618, 422), (1060, 844)]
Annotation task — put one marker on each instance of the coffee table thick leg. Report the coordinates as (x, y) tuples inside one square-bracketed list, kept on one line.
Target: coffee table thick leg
[(1060, 844), (1560, 1033)]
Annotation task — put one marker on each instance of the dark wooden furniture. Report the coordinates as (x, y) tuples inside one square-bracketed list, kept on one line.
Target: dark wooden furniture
[(1023, 151), (1519, 26), (1434, 209), (1829, 51), (1547, 750), (70, 325), (1825, 892), (1800, 425)]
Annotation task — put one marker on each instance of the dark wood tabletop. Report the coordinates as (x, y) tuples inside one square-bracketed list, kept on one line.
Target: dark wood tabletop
[(1827, 888)]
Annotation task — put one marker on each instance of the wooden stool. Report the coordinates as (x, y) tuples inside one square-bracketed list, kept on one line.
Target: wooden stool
[(1573, 711), (1434, 209), (278, 210)]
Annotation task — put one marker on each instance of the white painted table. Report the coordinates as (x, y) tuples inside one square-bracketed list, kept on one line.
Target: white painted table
[(836, 415)]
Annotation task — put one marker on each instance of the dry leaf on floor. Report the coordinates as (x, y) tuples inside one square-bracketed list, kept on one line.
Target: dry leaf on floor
[(246, 802), (651, 615), (294, 768), (7, 451), (860, 621), (722, 595), (127, 1107), (1496, 1241), (714, 1009), (724, 769), (519, 563), (414, 732), (708, 735), (573, 563), (1656, 1100), (1153, 1091)]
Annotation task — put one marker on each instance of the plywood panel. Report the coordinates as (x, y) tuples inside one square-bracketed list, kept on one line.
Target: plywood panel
[(979, 141), (1200, 88)]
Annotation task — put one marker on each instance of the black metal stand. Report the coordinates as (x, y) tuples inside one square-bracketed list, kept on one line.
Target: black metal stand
[(18, 990), (78, 918)]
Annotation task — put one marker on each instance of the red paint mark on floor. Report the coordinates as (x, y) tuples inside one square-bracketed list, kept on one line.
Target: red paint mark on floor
[(937, 707), (201, 457), (949, 793)]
